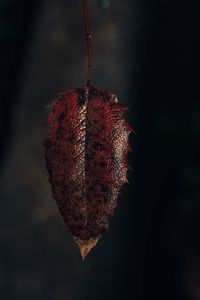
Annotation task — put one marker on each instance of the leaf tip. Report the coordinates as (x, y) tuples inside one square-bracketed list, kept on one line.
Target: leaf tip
[(85, 246)]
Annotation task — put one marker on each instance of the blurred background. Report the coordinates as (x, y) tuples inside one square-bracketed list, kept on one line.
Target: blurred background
[(146, 52)]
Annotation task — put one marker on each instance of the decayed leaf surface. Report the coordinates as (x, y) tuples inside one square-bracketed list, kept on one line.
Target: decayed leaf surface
[(86, 152)]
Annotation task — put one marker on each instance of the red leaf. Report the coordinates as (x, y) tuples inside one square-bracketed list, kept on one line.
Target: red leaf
[(86, 152)]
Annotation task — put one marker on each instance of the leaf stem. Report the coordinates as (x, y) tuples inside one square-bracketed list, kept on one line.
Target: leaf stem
[(88, 38)]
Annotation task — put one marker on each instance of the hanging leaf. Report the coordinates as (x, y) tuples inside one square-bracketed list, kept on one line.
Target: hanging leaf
[(86, 151)]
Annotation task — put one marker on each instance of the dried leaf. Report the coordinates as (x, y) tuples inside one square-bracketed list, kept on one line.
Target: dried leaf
[(86, 152)]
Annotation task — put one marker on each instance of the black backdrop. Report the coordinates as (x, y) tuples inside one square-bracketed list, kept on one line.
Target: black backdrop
[(152, 248)]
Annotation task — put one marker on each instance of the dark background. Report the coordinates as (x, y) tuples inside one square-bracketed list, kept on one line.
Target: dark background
[(146, 52)]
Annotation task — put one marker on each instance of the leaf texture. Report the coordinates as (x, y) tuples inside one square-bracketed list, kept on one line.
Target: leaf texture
[(86, 152)]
